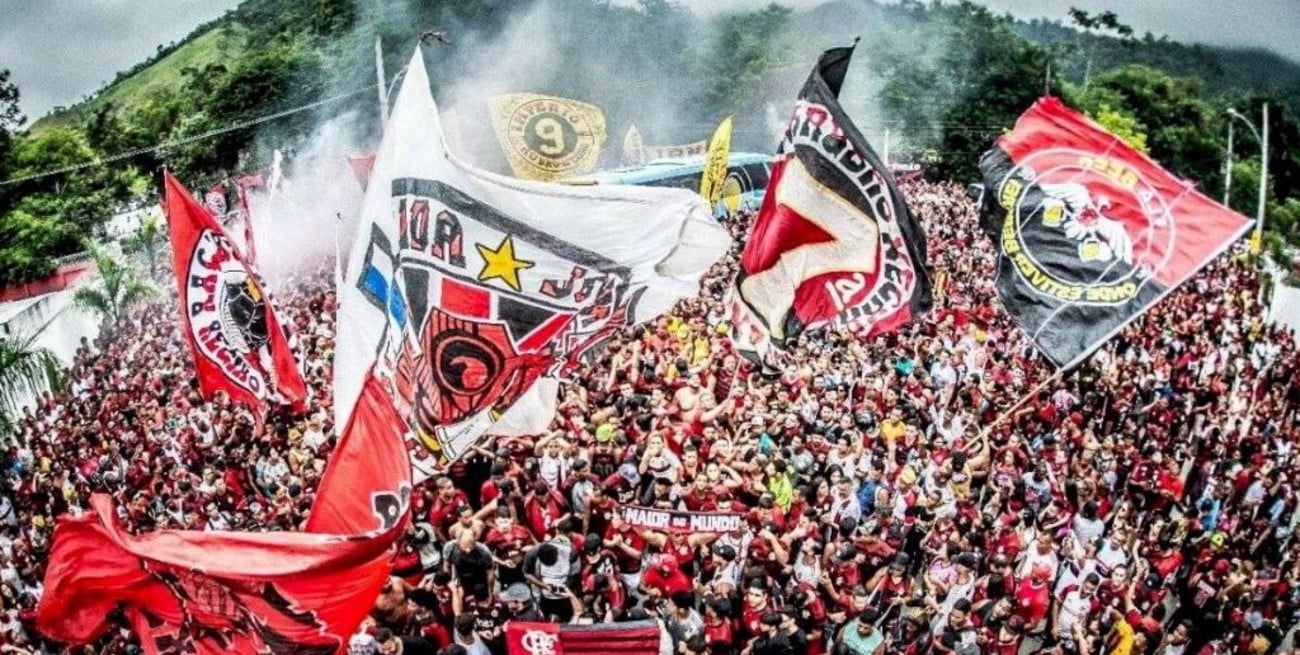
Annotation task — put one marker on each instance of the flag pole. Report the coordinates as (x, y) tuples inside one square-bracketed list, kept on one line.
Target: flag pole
[(1011, 410)]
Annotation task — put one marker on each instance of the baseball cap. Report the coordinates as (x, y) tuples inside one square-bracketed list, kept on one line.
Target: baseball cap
[(516, 593), (629, 473), (725, 551), (605, 432)]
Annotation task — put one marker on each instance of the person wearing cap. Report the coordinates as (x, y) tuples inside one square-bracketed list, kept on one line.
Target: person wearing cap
[(861, 636), (726, 571), (604, 453), (662, 578)]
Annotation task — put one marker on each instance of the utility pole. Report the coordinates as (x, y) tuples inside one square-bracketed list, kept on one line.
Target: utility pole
[(383, 82), (1227, 173), (886, 147), (1263, 179)]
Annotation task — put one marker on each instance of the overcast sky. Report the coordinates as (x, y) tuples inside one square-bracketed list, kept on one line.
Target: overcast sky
[(61, 50)]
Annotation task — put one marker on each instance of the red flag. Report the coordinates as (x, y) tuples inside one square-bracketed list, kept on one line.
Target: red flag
[(243, 593), (215, 200), (834, 243), (361, 167), (631, 638), (357, 492), (238, 343), (1091, 231), (243, 184), (533, 639)]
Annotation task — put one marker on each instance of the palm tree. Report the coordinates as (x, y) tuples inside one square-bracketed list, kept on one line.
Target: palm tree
[(145, 240), (26, 371), (117, 289)]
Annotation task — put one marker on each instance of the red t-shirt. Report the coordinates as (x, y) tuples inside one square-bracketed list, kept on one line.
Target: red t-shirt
[(1032, 602)]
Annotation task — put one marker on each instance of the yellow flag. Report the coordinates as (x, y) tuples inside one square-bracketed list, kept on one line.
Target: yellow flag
[(545, 137), (1256, 241), (715, 163)]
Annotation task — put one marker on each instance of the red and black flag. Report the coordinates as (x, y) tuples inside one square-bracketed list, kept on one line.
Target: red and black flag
[(239, 344), (267, 593), (1092, 232), (834, 243)]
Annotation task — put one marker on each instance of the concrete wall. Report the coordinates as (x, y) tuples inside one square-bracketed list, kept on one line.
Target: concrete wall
[(57, 323), (1285, 306)]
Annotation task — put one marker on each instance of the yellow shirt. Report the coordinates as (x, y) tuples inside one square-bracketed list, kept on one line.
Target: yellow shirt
[(1125, 644), (891, 430)]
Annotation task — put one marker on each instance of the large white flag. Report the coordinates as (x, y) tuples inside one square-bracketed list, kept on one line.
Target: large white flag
[(465, 289)]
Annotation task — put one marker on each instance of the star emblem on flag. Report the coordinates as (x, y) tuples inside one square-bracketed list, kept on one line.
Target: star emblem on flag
[(501, 263)]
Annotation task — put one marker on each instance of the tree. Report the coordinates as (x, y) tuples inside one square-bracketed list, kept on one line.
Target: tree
[(26, 246), (743, 53), (11, 118), (1122, 125), (1104, 23), (145, 240), (26, 371), (117, 289)]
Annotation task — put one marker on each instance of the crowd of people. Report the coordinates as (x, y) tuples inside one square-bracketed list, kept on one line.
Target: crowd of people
[(933, 490)]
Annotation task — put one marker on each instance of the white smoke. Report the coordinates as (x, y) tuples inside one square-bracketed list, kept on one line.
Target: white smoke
[(296, 227)]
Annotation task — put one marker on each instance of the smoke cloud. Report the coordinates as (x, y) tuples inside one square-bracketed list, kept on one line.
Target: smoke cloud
[(642, 68)]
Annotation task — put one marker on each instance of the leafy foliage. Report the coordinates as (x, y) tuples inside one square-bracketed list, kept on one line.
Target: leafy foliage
[(26, 371), (117, 290)]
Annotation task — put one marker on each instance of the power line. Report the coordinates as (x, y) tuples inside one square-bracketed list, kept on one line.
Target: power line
[(189, 139)]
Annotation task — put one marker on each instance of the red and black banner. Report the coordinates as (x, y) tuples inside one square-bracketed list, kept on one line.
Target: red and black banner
[(270, 593), (1091, 232), (834, 242), (238, 343), (630, 638)]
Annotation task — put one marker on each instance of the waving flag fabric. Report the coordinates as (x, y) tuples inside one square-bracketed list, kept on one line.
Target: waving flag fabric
[(238, 343), (545, 137), (715, 163), (833, 243), (1092, 232), (215, 593), (465, 289)]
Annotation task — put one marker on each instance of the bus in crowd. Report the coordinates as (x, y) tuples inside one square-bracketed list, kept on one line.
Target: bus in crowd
[(747, 175)]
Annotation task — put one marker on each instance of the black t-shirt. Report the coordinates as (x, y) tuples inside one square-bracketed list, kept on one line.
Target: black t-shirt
[(418, 646), (470, 568), (959, 641)]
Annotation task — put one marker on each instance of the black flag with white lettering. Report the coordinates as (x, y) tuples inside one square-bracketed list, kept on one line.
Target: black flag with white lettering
[(834, 243)]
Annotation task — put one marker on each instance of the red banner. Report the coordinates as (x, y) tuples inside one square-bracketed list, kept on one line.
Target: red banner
[(533, 639), (238, 343), (225, 592), (243, 184), (1091, 231), (630, 638)]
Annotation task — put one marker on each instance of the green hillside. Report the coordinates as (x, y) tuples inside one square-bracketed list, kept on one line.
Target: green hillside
[(221, 43)]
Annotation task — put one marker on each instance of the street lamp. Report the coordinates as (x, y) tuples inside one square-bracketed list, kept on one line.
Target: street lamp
[(1256, 240)]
